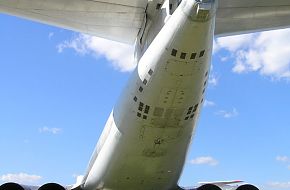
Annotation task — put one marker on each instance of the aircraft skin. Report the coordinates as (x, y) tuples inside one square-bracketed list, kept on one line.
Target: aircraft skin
[(145, 141), (146, 138)]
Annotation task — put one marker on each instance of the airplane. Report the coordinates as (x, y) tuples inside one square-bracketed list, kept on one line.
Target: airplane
[(146, 138)]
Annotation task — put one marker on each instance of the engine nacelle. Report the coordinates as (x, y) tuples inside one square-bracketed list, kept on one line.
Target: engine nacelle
[(51, 186), (13, 186), (247, 187), (209, 187)]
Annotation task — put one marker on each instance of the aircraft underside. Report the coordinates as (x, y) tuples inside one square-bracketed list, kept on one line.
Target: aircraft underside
[(146, 138)]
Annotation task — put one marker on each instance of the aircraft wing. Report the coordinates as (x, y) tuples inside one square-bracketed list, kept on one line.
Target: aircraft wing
[(245, 16), (118, 20)]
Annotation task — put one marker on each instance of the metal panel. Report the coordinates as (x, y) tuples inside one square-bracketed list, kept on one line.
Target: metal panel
[(238, 17), (116, 20)]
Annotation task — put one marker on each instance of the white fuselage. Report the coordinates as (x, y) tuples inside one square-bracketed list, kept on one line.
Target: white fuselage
[(146, 139)]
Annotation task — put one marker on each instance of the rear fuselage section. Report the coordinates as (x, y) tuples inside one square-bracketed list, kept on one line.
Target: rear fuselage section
[(146, 138)]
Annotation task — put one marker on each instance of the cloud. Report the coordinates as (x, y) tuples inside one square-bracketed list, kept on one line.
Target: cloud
[(267, 53), (79, 180), (204, 160), (50, 35), (21, 178), (120, 55), (228, 114), (208, 103), (233, 43), (213, 80), (215, 45), (54, 131), (280, 185), (283, 158)]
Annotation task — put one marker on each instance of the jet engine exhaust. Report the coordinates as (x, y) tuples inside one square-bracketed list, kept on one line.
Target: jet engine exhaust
[(12, 186), (51, 186), (209, 187), (247, 187)]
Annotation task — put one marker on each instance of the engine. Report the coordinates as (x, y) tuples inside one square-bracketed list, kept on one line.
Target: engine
[(223, 187), (13, 186), (209, 187), (16, 186), (247, 187), (51, 186)]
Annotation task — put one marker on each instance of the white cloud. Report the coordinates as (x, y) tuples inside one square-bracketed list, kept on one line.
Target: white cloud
[(120, 55), (208, 103), (224, 58), (233, 43), (215, 46), (204, 160), (213, 80), (283, 158), (280, 185), (50, 130), (267, 53), (22, 178), (50, 35), (79, 180), (228, 114)]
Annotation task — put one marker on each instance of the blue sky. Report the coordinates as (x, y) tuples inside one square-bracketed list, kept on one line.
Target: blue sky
[(57, 89)]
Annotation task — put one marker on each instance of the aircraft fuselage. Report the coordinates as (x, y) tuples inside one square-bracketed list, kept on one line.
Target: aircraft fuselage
[(146, 139)]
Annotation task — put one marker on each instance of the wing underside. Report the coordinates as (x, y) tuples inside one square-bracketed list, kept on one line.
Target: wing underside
[(121, 20), (245, 16), (118, 20)]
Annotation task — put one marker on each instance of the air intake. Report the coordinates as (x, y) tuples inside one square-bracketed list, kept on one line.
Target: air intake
[(51, 186), (247, 187), (209, 187), (11, 186)]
